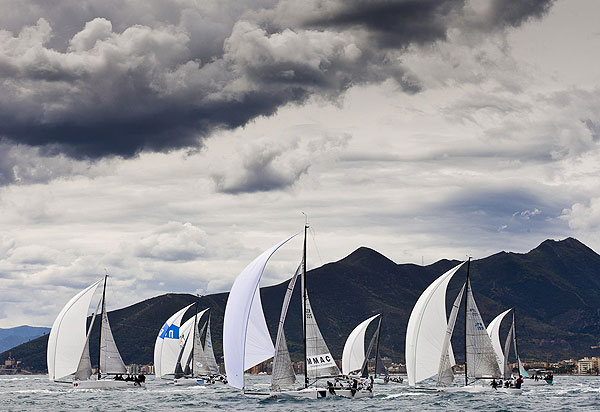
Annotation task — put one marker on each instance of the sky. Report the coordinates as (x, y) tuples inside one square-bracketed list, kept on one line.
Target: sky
[(169, 142)]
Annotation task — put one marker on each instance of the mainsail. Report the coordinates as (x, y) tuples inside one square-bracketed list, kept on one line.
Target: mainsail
[(445, 374), (110, 358), (481, 357), (283, 371), (246, 339), (209, 354), (68, 339), (505, 368), (319, 362), (493, 331), (426, 330)]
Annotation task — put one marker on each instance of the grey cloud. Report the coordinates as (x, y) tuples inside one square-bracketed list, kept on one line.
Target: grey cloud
[(92, 79), (516, 12)]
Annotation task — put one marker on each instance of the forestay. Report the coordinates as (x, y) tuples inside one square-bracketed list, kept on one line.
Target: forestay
[(481, 357), (445, 374), (426, 330), (493, 331), (67, 339), (246, 339), (167, 346), (353, 355), (319, 362), (283, 371)]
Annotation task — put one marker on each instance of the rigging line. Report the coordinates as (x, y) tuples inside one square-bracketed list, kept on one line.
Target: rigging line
[(313, 233)]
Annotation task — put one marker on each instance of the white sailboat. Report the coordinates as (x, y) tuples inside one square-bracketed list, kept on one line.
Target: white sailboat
[(429, 335), (168, 346), (503, 355), (246, 339), (355, 359), (68, 353), (196, 364)]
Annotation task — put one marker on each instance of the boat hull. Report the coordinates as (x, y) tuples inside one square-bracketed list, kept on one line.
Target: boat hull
[(480, 389), (106, 384), (318, 393), (539, 382), (193, 381)]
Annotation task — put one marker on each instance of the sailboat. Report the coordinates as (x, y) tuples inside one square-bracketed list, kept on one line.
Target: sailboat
[(493, 331), (168, 346), (196, 364), (246, 339), (428, 338), (68, 353), (355, 359)]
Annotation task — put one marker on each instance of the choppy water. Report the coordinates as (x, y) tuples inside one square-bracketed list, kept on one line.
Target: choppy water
[(36, 393)]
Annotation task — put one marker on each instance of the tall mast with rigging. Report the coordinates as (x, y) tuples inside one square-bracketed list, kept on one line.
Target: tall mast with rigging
[(100, 333), (304, 303), (468, 286)]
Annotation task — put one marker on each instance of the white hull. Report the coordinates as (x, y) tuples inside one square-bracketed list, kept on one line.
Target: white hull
[(533, 382), (193, 381), (106, 384), (318, 393), (479, 389)]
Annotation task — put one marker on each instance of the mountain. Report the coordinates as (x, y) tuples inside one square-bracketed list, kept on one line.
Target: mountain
[(12, 337), (555, 289)]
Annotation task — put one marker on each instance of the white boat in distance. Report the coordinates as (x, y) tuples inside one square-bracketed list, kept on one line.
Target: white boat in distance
[(246, 340), (68, 354)]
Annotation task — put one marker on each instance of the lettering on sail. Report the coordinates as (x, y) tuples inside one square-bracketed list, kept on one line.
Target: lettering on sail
[(320, 361)]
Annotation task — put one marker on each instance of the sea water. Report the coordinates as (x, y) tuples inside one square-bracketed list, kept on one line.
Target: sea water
[(36, 393)]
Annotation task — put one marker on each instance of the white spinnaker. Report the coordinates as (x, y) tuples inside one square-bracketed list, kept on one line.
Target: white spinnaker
[(187, 332), (167, 346), (68, 336), (246, 339), (426, 330), (493, 331), (353, 355)]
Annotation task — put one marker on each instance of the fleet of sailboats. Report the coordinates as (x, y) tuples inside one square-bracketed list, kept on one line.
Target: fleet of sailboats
[(183, 354)]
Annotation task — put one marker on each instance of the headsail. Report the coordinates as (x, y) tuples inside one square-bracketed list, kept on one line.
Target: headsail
[(353, 355), (509, 337), (319, 362), (209, 354), (481, 357), (445, 374), (246, 339), (426, 330), (493, 331), (283, 372), (167, 346), (67, 339)]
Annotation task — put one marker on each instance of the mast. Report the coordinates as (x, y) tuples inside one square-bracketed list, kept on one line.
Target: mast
[(515, 339), (304, 304), (377, 346), (466, 300), (194, 337), (100, 333)]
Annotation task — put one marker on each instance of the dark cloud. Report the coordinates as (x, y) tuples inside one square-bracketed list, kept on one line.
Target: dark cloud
[(98, 78), (516, 12), (394, 23)]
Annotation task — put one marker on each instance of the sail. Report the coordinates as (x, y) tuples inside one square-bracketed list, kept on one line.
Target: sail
[(364, 370), (353, 355), (110, 358), (283, 371), (493, 331), (319, 362), (200, 364), (426, 330), (209, 354), (246, 339), (167, 346), (67, 339), (84, 370), (445, 374), (522, 370), (505, 368), (187, 332), (481, 357)]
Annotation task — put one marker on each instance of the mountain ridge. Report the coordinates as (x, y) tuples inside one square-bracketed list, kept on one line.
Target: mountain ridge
[(554, 288)]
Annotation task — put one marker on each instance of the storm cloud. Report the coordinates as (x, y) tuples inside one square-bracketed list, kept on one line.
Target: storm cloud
[(90, 79)]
